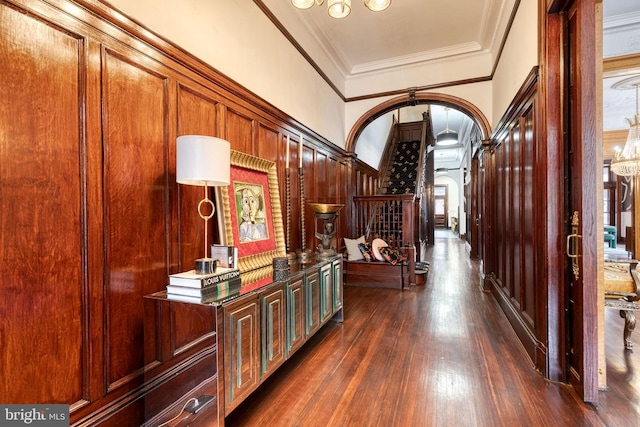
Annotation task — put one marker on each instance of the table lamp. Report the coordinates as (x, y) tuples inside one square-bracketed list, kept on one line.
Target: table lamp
[(203, 161)]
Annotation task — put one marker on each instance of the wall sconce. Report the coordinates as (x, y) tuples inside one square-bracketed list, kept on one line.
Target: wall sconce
[(204, 161)]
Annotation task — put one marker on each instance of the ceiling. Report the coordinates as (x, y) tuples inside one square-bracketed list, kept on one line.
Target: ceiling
[(409, 31), (420, 31)]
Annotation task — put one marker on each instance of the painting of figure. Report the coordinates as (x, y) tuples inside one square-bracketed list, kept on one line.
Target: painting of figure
[(250, 210)]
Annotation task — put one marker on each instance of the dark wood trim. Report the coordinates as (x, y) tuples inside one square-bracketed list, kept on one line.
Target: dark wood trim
[(421, 88), (528, 339), (514, 182), (550, 112), (620, 63)]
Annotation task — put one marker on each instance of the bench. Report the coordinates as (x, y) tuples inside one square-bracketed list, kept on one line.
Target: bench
[(381, 274), (621, 284)]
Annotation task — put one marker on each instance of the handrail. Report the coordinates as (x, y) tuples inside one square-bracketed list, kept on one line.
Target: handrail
[(425, 141), (385, 161)]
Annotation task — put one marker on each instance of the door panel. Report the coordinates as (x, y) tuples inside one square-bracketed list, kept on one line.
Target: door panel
[(440, 195), (583, 174)]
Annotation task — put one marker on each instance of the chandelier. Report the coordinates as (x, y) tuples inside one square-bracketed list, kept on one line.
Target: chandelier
[(626, 162), (342, 8)]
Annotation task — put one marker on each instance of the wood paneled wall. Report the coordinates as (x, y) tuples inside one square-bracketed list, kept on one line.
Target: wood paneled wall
[(514, 220), (91, 218)]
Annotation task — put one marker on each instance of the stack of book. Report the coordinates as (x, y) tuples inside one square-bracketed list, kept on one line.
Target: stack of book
[(204, 288)]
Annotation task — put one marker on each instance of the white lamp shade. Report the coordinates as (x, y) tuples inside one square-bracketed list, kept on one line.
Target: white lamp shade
[(203, 160), (377, 5), (303, 4), (339, 8), (447, 137)]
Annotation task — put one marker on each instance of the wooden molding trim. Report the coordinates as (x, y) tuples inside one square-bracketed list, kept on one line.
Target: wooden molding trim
[(526, 336), (611, 66)]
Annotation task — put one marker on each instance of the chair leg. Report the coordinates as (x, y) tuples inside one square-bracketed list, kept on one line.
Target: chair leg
[(629, 325)]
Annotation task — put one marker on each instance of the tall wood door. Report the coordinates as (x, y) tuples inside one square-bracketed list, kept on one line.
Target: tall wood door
[(475, 199), (441, 207), (581, 204)]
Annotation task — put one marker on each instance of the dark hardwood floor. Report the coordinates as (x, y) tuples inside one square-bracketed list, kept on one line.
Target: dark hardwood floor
[(441, 354)]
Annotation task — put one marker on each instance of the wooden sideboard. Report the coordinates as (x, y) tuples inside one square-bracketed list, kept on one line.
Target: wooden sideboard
[(220, 352)]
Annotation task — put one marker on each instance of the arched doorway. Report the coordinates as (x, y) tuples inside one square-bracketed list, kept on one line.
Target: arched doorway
[(451, 101), (478, 131)]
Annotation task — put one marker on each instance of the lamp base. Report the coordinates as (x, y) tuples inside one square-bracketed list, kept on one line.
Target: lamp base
[(206, 265)]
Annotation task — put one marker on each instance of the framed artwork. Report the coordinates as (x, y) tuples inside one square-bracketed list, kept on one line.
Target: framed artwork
[(250, 215)]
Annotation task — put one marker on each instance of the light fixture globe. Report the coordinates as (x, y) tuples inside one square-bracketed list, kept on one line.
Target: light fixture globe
[(339, 8), (377, 5), (304, 4)]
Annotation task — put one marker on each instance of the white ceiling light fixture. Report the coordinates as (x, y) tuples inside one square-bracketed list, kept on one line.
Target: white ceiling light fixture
[(342, 8), (377, 5), (626, 162), (339, 8), (306, 4), (447, 136)]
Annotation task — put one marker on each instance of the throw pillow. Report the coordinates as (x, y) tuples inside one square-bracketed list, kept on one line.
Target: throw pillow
[(390, 255), (365, 249), (353, 251), (375, 248)]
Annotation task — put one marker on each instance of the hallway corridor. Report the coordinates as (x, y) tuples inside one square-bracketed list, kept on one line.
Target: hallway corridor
[(441, 354)]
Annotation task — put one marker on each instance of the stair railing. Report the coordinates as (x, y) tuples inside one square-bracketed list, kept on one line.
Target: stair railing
[(389, 217)]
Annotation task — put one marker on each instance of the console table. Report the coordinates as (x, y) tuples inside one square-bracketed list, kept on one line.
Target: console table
[(220, 352)]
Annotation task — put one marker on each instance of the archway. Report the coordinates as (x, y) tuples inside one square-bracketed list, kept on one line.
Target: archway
[(427, 203), (411, 99)]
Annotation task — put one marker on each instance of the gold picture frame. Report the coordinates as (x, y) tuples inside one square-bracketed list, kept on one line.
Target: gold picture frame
[(254, 185)]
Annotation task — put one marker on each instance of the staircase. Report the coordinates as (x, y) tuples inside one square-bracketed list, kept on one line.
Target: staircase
[(395, 212), (403, 170)]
